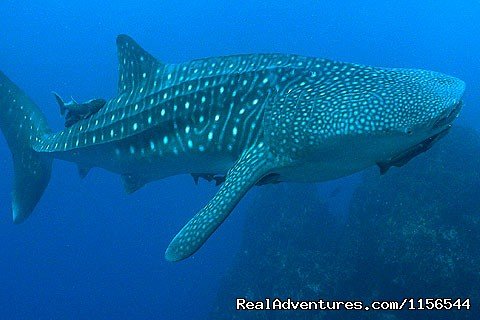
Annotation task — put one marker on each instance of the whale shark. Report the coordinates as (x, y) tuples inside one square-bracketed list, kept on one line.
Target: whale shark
[(247, 119)]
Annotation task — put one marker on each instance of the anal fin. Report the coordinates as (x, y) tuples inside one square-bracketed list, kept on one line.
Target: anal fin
[(383, 167), (132, 183), (255, 163), (83, 171)]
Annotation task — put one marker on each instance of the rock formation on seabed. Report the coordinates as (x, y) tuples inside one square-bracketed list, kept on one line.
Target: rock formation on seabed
[(414, 232)]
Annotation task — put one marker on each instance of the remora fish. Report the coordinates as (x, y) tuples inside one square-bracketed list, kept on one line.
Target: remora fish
[(260, 118), (74, 111)]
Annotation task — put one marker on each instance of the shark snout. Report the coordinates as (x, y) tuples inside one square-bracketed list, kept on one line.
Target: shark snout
[(448, 116), (453, 90)]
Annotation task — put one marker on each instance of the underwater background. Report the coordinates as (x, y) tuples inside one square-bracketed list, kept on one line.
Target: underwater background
[(89, 251)]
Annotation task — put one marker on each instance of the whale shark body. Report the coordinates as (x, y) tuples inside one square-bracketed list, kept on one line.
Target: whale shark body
[(248, 119)]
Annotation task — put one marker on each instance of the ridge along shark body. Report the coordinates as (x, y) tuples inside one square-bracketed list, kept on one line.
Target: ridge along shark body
[(250, 119)]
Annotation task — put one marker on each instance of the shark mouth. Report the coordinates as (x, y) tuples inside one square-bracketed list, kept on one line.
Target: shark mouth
[(449, 116), (443, 123), (407, 155)]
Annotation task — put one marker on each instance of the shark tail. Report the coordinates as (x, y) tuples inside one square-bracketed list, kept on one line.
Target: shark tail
[(23, 124)]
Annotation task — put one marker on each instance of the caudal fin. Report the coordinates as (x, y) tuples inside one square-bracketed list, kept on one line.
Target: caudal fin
[(23, 124), (60, 102)]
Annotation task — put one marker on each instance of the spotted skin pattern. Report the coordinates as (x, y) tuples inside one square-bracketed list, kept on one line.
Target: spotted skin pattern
[(252, 165), (245, 117), (23, 124), (354, 101)]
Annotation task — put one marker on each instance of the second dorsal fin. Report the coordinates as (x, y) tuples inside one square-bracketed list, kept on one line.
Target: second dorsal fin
[(134, 64)]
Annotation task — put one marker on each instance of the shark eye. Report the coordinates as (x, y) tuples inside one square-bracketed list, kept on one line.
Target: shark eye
[(408, 131)]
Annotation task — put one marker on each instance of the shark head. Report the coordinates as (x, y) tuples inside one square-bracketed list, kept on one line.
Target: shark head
[(346, 117), (425, 105), (420, 103)]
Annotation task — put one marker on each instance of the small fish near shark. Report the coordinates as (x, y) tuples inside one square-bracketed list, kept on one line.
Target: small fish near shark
[(74, 111), (240, 120)]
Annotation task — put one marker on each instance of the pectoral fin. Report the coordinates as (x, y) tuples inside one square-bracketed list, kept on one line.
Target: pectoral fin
[(252, 165)]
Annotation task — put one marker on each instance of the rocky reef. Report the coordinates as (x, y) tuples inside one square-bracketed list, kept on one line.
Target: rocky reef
[(284, 251), (412, 233)]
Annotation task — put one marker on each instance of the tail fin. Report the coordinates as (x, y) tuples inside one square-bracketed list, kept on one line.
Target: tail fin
[(23, 124), (60, 102)]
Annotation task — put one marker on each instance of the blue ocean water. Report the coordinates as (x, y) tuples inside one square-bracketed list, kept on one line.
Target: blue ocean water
[(89, 250)]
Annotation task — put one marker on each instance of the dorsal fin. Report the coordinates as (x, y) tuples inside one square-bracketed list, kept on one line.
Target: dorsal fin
[(134, 63)]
